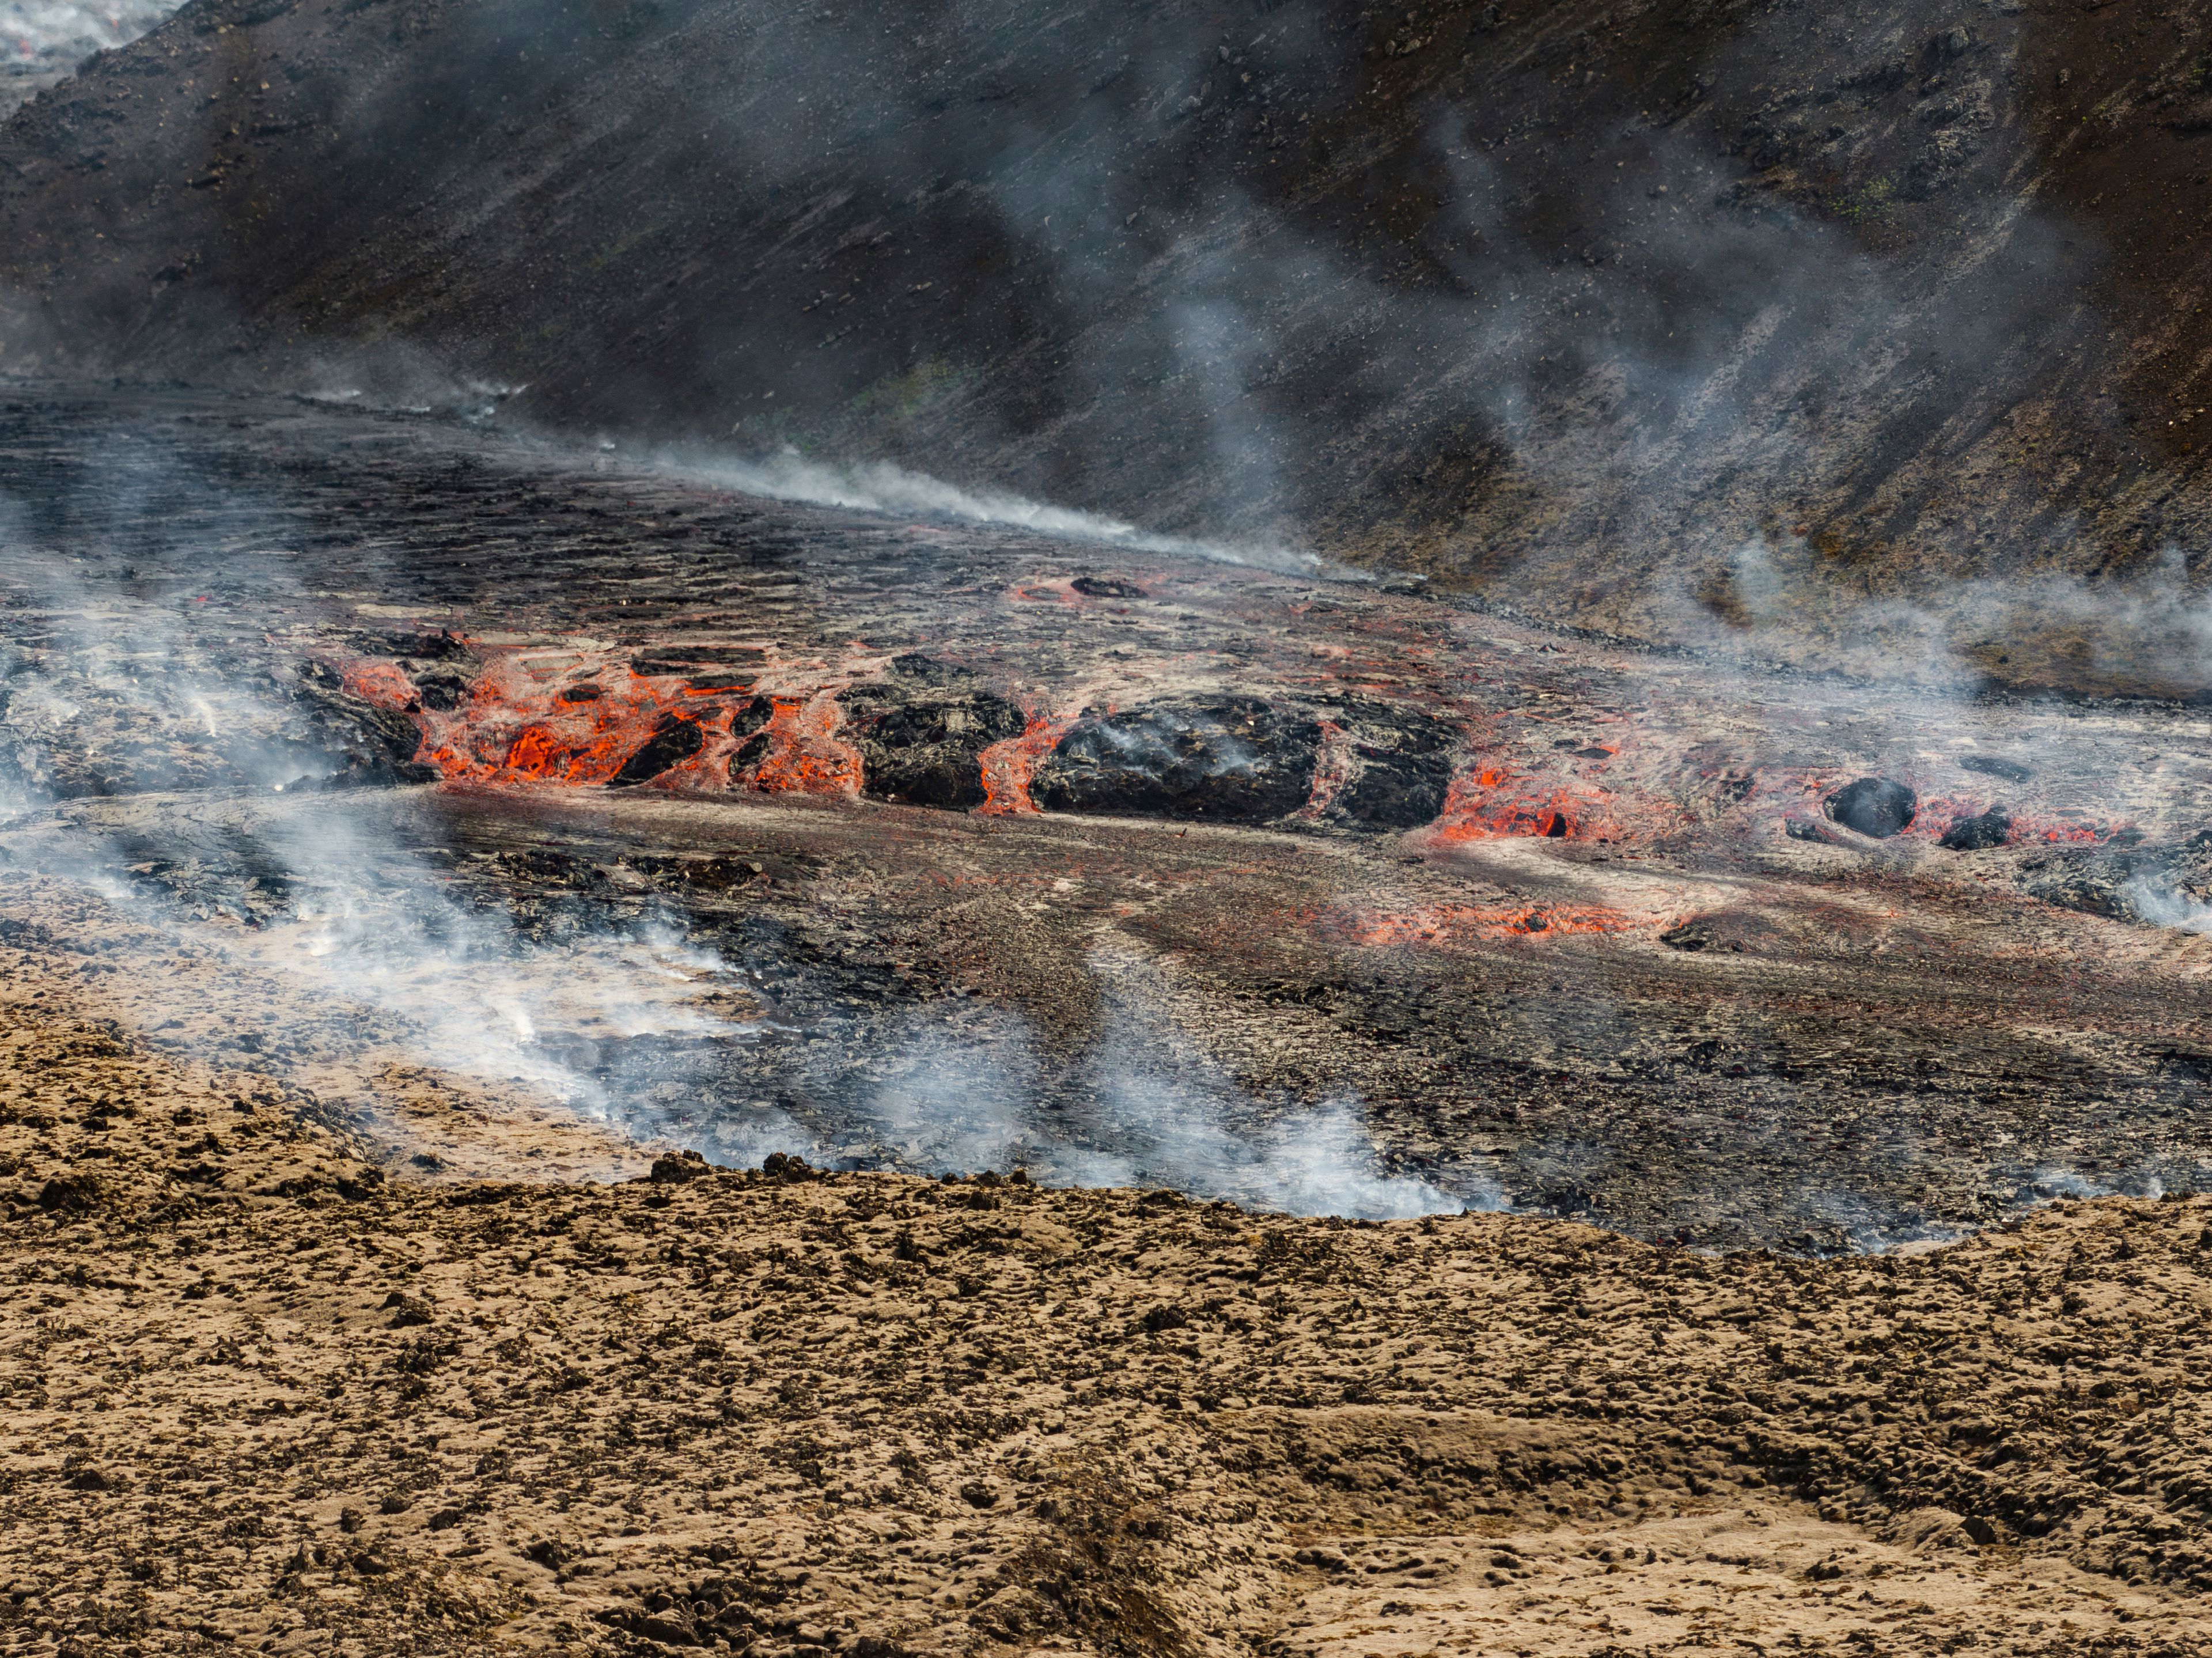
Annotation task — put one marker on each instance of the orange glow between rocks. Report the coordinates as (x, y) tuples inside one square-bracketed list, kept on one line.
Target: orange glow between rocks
[(1008, 767), (805, 755), (1492, 803), (517, 724)]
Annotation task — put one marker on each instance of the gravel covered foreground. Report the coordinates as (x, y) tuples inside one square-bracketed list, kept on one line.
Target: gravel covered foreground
[(261, 1390)]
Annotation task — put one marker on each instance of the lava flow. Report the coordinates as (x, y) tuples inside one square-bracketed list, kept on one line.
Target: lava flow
[(1493, 803), (570, 713), (1008, 766)]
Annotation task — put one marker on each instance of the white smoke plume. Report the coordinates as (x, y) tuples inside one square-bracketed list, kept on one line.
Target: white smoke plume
[(1145, 1107), (883, 486)]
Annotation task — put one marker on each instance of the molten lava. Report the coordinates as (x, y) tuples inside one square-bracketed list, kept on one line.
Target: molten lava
[(1494, 803), (2060, 831), (607, 723), (804, 754), (1008, 767)]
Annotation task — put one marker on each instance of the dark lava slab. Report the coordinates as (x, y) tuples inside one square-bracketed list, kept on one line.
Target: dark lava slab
[(1403, 763), (1239, 759), (1873, 806), (922, 729), (675, 739)]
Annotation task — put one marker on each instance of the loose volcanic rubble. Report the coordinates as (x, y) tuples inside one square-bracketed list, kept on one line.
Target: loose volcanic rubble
[(261, 1394)]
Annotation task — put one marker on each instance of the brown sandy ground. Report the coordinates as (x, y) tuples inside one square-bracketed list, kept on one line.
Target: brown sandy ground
[(256, 1394)]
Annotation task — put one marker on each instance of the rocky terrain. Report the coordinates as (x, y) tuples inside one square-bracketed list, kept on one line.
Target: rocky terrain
[(932, 846), (1315, 831), (269, 1387), (1681, 321)]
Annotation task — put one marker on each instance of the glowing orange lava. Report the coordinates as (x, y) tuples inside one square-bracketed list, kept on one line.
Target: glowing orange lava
[(1008, 767), (379, 683), (516, 724), (1936, 816), (805, 753), (1493, 803), (2058, 831)]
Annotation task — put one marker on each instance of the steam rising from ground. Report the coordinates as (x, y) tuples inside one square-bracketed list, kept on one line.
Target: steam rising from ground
[(373, 944), (1145, 1108), (616, 1020), (328, 905)]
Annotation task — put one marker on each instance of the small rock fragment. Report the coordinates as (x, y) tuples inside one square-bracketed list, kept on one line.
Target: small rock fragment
[(1978, 834), (1875, 806), (70, 1194), (406, 1310), (679, 1166)]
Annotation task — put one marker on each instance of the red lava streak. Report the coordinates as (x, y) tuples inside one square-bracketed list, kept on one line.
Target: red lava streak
[(381, 683), (805, 755), (1492, 803), (520, 722), (2057, 831), (1008, 767)]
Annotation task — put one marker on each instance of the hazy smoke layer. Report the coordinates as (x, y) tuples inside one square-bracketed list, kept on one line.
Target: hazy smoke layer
[(43, 40)]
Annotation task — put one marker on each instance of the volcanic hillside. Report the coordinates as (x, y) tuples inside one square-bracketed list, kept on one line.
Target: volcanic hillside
[(1578, 300)]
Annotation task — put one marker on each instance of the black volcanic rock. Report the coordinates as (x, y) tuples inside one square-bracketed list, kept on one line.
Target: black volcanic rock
[(1979, 833), (1403, 768), (1094, 586), (1234, 760), (1873, 806), (674, 740), (922, 731)]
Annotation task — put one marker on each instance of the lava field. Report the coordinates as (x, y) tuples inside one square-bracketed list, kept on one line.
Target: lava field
[(943, 845)]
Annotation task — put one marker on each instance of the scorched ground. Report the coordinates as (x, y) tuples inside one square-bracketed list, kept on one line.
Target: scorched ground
[(1554, 922)]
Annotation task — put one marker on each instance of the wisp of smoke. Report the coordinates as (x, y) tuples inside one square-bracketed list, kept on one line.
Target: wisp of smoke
[(883, 486), (1143, 1108)]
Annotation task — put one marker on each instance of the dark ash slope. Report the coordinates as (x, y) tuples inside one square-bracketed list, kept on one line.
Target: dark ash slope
[(1575, 299)]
